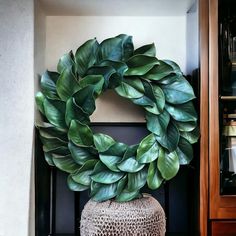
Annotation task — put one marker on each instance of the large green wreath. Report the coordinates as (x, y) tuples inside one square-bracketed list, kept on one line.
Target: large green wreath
[(97, 162)]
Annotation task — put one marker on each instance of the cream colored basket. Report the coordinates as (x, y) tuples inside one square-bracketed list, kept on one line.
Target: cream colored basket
[(141, 217)]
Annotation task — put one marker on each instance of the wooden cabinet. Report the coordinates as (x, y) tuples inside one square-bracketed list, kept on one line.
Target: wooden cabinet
[(218, 115)]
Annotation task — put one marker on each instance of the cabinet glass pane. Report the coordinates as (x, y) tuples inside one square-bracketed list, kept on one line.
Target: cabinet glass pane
[(227, 94)]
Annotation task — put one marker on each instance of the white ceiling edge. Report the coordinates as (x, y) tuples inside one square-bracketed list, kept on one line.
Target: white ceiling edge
[(116, 7)]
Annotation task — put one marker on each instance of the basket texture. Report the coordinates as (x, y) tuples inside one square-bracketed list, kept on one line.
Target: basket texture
[(140, 217)]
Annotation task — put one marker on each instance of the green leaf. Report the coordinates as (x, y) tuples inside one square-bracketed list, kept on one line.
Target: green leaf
[(175, 67), (105, 192), (148, 149), (67, 84), (156, 95), (171, 78), (178, 92), (105, 71), (159, 71), (84, 98), (48, 84), (39, 99), (103, 142), (49, 131), (110, 49), (148, 50), (127, 195), (170, 139), (82, 175), (192, 136), (66, 61), (80, 154), (105, 176), (86, 56), (52, 143), (183, 112), (185, 126), (129, 162), (74, 112), (127, 46), (157, 124), (130, 88), (184, 151), (113, 156), (120, 67), (65, 163), (48, 158), (140, 64), (137, 180), (96, 80), (168, 165), (61, 151), (154, 178), (55, 112), (75, 186), (121, 184), (80, 134)]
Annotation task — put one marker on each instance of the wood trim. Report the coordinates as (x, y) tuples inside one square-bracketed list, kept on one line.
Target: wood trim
[(223, 228), (214, 109), (204, 41)]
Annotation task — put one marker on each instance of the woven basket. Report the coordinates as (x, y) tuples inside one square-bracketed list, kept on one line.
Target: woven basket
[(141, 217)]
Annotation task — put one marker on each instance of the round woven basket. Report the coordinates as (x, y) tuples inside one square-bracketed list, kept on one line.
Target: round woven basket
[(139, 217)]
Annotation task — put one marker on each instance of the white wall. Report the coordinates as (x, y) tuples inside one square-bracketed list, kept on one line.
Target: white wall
[(65, 33), (17, 114)]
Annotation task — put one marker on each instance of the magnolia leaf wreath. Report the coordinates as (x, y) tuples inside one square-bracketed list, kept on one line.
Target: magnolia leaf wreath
[(110, 169)]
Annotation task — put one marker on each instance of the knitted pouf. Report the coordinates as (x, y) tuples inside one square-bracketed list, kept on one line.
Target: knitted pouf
[(140, 217)]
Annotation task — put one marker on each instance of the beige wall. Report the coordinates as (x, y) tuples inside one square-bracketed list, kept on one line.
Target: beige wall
[(17, 114)]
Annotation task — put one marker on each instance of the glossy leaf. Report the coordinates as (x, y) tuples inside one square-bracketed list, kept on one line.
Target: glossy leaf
[(96, 80), (74, 112), (84, 98), (171, 78), (48, 158), (80, 134), (113, 156), (86, 56), (39, 99), (148, 50), (140, 64), (148, 149), (48, 84), (105, 192), (61, 151), (103, 142), (52, 143), (66, 61), (130, 88), (127, 195), (80, 154), (65, 163), (129, 163), (184, 151), (82, 175), (183, 112), (118, 66), (55, 112), (49, 131), (105, 71), (103, 175), (174, 65), (67, 84), (75, 186), (178, 92), (159, 71), (127, 46), (168, 165), (192, 136), (137, 180), (157, 124), (154, 178), (170, 138), (122, 184), (185, 126), (110, 49)]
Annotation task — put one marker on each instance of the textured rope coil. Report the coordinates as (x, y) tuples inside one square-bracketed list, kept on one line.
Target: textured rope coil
[(140, 217)]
